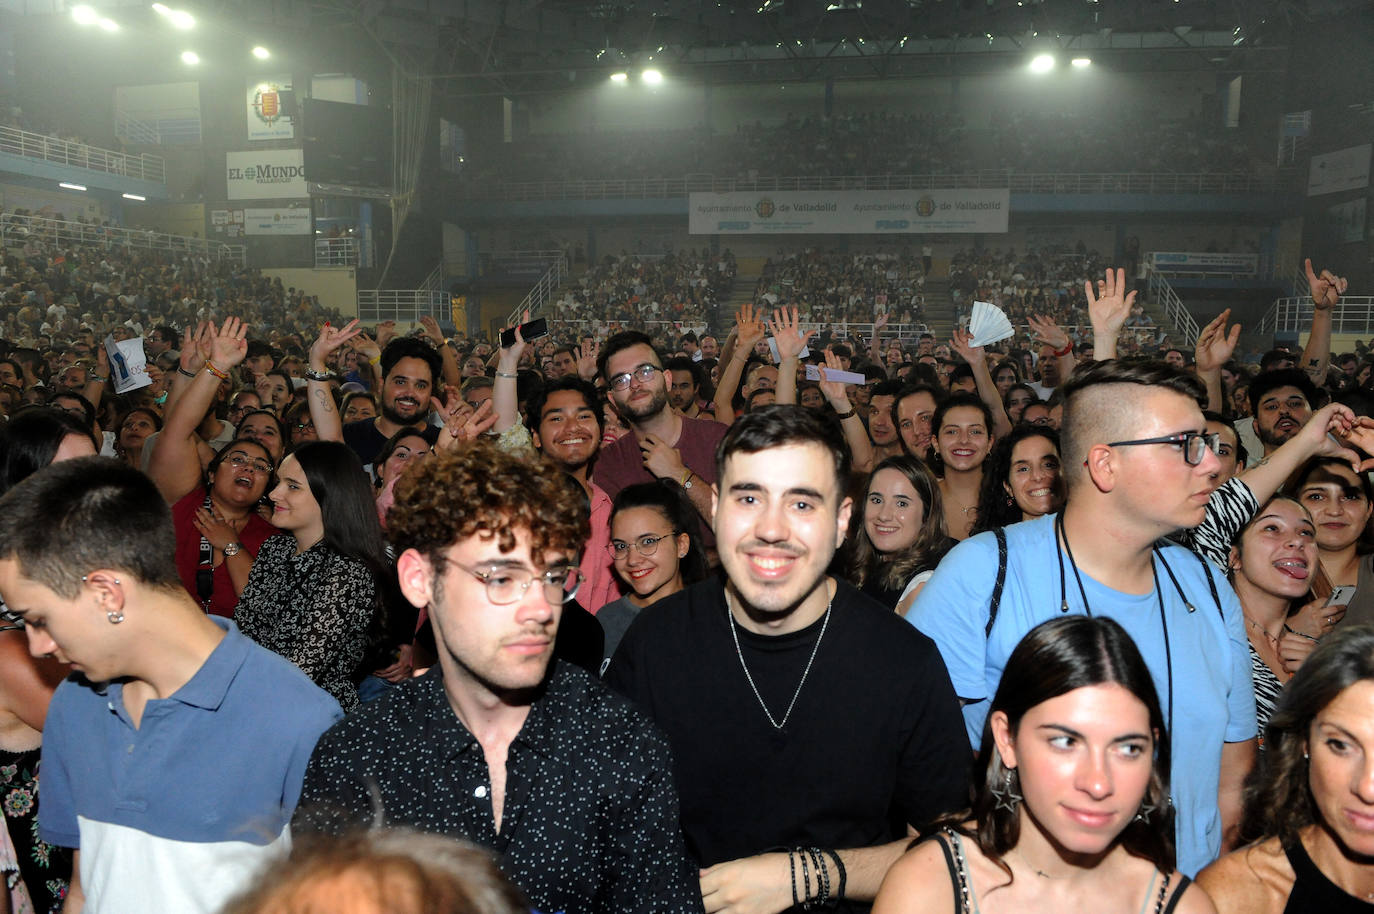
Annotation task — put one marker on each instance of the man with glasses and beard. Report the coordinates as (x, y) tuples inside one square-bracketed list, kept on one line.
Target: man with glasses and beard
[(662, 443)]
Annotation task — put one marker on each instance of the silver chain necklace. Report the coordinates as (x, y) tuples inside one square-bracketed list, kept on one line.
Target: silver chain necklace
[(734, 631)]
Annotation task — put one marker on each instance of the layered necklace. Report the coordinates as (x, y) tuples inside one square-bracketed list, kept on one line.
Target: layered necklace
[(734, 631)]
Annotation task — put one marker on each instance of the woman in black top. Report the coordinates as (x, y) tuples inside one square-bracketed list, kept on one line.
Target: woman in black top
[(899, 535), (1309, 812)]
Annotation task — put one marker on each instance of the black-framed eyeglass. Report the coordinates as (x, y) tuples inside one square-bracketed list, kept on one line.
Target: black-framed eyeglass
[(644, 374), (1195, 445), (507, 584)]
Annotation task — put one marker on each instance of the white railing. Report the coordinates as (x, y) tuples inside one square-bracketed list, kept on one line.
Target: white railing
[(649, 188), (1354, 315), (79, 155), (338, 252), (543, 290), (17, 228), (434, 282), (132, 130), (1175, 312), (403, 305)]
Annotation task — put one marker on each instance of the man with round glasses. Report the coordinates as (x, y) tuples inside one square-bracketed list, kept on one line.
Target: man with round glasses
[(500, 744), (664, 444)]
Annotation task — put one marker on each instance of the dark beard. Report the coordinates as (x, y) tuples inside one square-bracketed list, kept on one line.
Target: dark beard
[(655, 406), (391, 415)]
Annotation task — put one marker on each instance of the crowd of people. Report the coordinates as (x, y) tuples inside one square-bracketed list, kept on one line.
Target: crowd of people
[(840, 287), (675, 623), (639, 290), (877, 143)]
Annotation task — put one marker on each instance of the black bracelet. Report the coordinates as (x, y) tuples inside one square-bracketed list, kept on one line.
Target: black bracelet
[(186, 374), (823, 871), (806, 877), (792, 871), (839, 868)]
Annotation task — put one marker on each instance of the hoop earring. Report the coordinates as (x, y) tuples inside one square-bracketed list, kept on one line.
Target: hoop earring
[(114, 616), (1006, 796)]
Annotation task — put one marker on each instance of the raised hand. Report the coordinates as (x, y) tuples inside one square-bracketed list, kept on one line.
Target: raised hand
[(195, 349), (510, 355), (833, 391), (367, 347), (1215, 345), (586, 359), (748, 329), (1109, 308), (228, 343), (1047, 332), (386, 332), (329, 340), (790, 339), (962, 343), (1326, 289), (431, 327)]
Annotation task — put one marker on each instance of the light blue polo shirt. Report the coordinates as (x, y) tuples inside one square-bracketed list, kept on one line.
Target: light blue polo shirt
[(178, 813), (1214, 697)]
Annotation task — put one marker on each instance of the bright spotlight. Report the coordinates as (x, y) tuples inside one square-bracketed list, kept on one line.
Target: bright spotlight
[(1082, 62), (181, 19), (108, 25), (84, 15), (71, 186), (161, 8), (137, 197), (191, 58), (619, 77), (1042, 63), (652, 77), (261, 53)]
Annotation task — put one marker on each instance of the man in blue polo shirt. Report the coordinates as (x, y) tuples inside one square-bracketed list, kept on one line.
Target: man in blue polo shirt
[(174, 755)]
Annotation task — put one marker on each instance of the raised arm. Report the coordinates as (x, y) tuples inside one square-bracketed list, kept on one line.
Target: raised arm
[(1215, 345), (987, 388), (791, 341), (748, 331), (860, 447), (175, 465), (323, 411), (1107, 311), (503, 391), (452, 373), (875, 341), (1049, 333), (1327, 290)]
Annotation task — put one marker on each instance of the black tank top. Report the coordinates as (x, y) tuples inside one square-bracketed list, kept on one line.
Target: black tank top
[(1312, 891)]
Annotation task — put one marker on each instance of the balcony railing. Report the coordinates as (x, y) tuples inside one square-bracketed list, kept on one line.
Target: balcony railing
[(1354, 315), (341, 252), (17, 228), (403, 305), (79, 155), (1017, 182)]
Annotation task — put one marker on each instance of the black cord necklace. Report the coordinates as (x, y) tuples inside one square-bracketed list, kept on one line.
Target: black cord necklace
[(1155, 553)]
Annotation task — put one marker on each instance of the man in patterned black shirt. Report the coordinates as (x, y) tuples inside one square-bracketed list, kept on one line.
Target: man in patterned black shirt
[(568, 783)]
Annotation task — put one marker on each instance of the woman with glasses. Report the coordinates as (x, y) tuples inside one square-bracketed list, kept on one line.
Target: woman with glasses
[(214, 510), (321, 595), (656, 548), (299, 425)]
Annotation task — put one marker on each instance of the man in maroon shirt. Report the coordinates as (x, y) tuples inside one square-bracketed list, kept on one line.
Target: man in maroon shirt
[(663, 444)]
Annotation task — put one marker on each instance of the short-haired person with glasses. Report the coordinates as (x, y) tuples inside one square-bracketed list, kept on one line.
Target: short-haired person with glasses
[(1139, 465), (570, 785), (663, 443)]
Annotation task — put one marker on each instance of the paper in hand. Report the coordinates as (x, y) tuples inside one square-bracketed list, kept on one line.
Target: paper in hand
[(813, 373), (128, 364)]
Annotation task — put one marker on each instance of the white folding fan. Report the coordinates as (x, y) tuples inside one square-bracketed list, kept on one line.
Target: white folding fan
[(989, 324)]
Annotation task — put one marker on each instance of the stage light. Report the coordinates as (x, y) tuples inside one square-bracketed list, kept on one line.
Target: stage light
[(84, 15), (178, 18), (652, 77), (137, 197), (619, 77), (261, 53), (108, 25), (1042, 63), (1082, 62), (71, 186), (190, 58)]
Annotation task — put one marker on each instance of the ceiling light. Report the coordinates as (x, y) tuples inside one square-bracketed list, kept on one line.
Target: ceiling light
[(191, 58), (1042, 63), (619, 77), (108, 25), (134, 197), (84, 15), (71, 186), (1081, 62), (652, 77), (181, 19), (261, 53)]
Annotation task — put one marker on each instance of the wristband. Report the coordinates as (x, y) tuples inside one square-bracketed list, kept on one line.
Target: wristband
[(845, 415), (215, 370), (313, 375), (375, 360), (1060, 353), (514, 376), (96, 379), (184, 373)]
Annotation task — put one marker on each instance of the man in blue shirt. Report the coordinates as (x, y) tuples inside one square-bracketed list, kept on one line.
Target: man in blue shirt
[(1138, 467), (174, 755)]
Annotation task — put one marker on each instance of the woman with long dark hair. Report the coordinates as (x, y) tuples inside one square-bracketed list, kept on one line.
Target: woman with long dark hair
[(319, 595), (1309, 808), (655, 548), (899, 536), (1071, 799), (1021, 478)]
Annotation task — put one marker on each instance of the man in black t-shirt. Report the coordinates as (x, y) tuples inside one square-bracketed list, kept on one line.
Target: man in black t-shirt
[(409, 367), (801, 713)]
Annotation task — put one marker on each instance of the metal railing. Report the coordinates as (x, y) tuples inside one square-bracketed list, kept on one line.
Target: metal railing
[(649, 188), (14, 227), (543, 290), (1175, 312), (133, 130), (846, 329), (338, 252), (403, 305), (79, 155), (1354, 314)]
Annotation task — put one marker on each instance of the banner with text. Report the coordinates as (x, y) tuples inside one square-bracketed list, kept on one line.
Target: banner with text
[(1204, 262), (272, 174), (1344, 169), (266, 118), (278, 221), (852, 212)]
